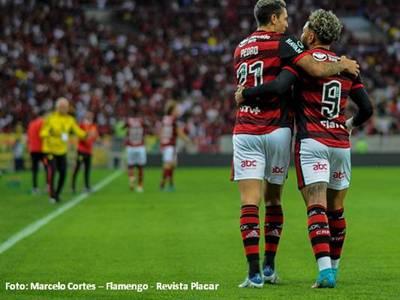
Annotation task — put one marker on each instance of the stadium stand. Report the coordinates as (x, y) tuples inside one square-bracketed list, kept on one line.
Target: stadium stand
[(152, 51)]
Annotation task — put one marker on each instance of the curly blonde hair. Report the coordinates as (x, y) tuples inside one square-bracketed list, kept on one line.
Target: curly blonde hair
[(326, 26)]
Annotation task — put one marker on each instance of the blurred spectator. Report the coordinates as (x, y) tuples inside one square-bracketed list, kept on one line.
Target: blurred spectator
[(18, 152), (180, 49), (19, 149), (117, 145), (85, 151)]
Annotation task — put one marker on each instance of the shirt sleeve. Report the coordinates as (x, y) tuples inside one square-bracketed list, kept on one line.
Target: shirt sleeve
[(279, 85), (357, 83), (365, 109), (291, 49), (292, 69)]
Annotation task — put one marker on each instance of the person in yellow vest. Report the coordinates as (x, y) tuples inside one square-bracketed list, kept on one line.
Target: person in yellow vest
[(55, 133)]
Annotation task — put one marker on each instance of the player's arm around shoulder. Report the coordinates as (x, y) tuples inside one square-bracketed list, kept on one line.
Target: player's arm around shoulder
[(292, 49), (321, 69)]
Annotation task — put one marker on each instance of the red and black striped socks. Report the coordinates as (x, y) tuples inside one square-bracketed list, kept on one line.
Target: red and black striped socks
[(319, 234), (171, 176), (165, 177), (168, 176), (337, 226), (250, 231), (272, 231)]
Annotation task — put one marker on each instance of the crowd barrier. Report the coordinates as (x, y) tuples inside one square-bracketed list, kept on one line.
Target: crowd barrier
[(109, 152)]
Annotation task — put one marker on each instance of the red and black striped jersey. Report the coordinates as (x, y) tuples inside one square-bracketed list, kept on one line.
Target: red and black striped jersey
[(259, 58), (320, 103), (169, 131), (135, 132)]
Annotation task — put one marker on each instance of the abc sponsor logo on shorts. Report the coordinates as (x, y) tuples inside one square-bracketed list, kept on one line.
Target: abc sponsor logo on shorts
[(248, 164), (278, 170), (339, 175), (320, 167)]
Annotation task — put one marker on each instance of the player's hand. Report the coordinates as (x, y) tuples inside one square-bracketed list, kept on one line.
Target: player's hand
[(239, 95), (350, 66)]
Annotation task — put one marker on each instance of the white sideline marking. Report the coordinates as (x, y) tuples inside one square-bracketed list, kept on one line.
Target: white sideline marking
[(35, 226)]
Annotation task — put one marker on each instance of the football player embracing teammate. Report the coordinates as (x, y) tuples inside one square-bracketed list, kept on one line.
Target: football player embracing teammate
[(263, 131), (322, 152)]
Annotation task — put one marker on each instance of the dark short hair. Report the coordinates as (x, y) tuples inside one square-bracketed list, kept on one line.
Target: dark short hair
[(264, 9)]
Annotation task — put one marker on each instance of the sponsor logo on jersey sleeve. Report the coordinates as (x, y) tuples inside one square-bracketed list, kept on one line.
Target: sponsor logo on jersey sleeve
[(319, 56), (296, 46)]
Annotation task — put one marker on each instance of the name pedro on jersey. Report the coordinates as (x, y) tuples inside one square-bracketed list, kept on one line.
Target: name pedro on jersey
[(249, 51)]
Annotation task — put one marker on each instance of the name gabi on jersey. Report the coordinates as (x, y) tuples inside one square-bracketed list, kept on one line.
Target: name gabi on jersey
[(254, 38), (331, 125), (249, 51), (298, 47), (249, 109)]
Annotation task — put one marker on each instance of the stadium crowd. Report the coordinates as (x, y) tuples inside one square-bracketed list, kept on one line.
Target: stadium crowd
[(154, 51)]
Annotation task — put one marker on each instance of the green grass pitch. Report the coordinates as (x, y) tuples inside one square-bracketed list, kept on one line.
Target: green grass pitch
[(192, 235)]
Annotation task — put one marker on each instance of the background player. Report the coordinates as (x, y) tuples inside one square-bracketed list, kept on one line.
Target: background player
[(262, 133), (168, 135), (322, 142), (136, 150), (35, 148), (85, 150)]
